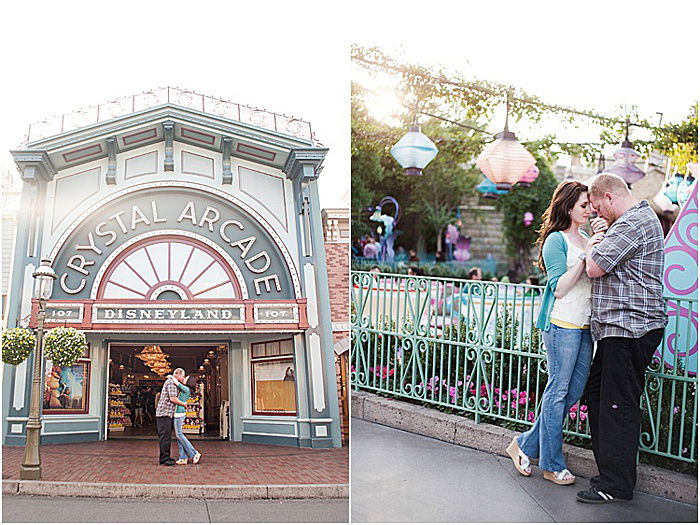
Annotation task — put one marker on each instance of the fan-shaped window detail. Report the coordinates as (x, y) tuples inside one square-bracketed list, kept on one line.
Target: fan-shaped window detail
[(169, 269)]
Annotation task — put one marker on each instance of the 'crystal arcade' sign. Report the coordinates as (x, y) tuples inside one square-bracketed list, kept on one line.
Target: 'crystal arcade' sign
[(263, 264)]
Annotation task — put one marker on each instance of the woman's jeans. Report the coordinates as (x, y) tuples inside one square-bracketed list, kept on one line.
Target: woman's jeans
[(568, 361), (183, 444)]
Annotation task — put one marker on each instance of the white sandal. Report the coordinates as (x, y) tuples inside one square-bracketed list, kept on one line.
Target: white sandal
[(520, 460), (561, 477)]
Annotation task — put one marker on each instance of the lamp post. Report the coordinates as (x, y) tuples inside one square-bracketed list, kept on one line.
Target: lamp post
[(43, 285)]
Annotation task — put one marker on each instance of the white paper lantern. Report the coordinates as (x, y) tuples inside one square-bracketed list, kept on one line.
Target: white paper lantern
[(414, 151)]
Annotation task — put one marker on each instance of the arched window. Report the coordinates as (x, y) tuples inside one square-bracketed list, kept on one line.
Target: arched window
[(169, 268)]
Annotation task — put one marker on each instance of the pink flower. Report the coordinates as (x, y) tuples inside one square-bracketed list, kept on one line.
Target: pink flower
[(572, 415), (531, 416), (676, 410), (352, 368), (522, 401), (514, 405), (504, 397), (584, 416)]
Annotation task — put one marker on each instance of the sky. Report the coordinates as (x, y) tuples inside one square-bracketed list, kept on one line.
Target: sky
[(293, 57), (593, 55), (62, 56)]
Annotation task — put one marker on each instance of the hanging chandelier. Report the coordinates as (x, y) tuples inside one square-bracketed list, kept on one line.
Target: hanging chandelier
[(505, 161)]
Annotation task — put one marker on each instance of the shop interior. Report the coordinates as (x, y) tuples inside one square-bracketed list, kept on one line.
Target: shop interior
[(137, 373)]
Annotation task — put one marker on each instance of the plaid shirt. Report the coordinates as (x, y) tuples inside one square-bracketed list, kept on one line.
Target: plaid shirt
[(166, 408), (628, 300)]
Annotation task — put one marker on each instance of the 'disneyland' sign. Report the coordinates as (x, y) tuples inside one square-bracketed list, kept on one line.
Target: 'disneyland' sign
[(167, 314), (263, 264)]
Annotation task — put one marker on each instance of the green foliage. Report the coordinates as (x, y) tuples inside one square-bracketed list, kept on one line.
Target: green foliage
[(64, 346), (428, 202), (680, 141), (17, 344), (520, 239)]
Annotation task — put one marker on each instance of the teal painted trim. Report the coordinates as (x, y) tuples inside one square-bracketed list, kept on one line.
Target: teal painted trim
[(324, 314), (17, 440), (57, 427), (271, 440), (270, 428)]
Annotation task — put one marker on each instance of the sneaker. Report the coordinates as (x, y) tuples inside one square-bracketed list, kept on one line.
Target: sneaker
[(593, 495), (181, 461), (196, 458)]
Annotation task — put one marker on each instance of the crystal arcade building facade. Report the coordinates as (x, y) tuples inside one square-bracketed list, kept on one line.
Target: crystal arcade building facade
[(180, 227)]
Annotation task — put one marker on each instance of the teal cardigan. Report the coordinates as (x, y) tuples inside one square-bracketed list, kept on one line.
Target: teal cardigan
[(184, 395), (554, 253)]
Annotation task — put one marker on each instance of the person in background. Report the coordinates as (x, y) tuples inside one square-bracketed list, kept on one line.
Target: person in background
[(413, 256), (564, 319), (137, 398), (628, 321), (475, 274), (370, 250)]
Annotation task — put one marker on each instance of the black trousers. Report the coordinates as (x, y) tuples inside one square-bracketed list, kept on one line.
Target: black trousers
[(165, 427), (613, 391)]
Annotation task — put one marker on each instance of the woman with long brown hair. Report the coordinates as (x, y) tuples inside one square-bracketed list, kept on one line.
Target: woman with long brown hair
[(564, 320)]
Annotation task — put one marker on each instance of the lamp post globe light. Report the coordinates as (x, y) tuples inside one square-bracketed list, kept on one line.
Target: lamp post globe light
[(44, 277), (414, 151)]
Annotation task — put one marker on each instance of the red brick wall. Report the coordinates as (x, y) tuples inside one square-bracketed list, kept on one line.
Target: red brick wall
[(338, 263)]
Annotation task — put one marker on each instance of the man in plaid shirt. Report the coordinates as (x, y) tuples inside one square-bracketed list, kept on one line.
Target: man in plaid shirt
[(627, 323), (164, 415)]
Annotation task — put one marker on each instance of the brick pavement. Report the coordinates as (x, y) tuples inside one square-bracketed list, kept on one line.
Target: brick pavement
[(222, 463)]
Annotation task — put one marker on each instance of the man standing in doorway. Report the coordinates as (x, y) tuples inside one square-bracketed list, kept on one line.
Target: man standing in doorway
[(627, 322), (164, 415)]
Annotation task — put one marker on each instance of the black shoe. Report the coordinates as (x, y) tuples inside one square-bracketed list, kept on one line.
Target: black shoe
[(593, 495), (168, 463)]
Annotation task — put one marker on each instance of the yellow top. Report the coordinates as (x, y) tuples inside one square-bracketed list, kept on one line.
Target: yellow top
[(564, 324)]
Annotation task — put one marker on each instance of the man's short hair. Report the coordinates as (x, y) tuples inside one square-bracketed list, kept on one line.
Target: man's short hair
[(179, 372), (608, 183)]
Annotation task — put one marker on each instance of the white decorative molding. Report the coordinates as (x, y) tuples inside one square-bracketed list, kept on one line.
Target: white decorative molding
[(321, 430), (194, 164), (20, 377), (16, 428), (317, 372), (312, 306), (266, 189), (144, 164), (340, 327)]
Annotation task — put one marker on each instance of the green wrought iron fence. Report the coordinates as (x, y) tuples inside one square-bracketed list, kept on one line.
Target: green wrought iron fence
[(472, 346)]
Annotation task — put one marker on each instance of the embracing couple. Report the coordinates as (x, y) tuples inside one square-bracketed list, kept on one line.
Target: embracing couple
[(605, 289), (171, 412)]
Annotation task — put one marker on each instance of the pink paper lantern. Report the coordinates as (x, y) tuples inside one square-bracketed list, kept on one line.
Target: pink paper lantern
[(530, 175), (505, 160), (528, 218)]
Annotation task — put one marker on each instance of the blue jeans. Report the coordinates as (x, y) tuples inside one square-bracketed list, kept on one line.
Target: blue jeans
[(568, 361), (183, 444)]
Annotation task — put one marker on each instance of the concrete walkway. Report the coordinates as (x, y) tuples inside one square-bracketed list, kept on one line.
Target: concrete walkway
[(402, 477), (39, 509)]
